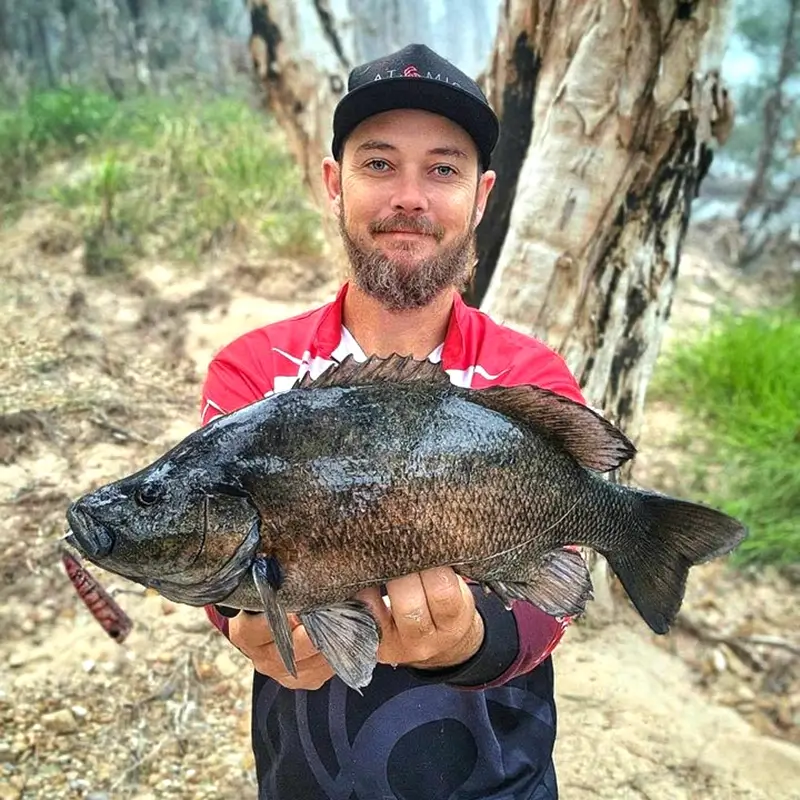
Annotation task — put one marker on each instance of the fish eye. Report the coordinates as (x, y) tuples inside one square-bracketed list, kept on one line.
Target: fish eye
[(147, 495)]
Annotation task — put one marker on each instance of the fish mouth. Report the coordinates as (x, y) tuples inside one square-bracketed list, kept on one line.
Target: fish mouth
[(215, 588), (87, 535)]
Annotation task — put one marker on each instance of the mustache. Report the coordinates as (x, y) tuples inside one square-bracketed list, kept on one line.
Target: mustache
[(405, 222)]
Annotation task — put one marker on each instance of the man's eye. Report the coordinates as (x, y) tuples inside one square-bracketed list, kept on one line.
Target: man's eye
[(443, 171), (378, 164)]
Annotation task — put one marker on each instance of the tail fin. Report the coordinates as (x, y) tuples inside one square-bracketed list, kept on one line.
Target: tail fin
[(674, 536)]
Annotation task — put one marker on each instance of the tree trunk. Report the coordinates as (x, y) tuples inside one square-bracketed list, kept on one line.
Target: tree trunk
[(44, 46), (107, 14), (775, 109), (139, 45), (758, 201), (67, 59), (609, 112), (383, 26), (620, 134)]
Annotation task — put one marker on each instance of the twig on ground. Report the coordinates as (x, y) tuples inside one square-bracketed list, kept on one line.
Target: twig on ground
[(148, 756), (741, 645), (121, 434)]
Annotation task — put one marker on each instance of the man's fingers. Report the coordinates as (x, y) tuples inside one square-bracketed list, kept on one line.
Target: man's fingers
[(311, 674), (303, 647), (374, 601), (444, 591), (252, 630), (410, 610)]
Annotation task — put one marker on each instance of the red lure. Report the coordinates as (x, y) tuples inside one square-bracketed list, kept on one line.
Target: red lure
[(116, 623)]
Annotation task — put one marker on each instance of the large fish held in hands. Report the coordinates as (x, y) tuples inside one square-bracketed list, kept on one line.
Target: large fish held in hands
[(384, 468)]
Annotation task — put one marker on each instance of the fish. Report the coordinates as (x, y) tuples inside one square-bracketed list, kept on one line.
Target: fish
[(382, 468)]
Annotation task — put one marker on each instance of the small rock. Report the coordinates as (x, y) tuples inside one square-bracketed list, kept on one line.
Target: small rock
[(745, 693), (97, 796), (60, 721), (168, 607), (718, 660), (88, 665), (79, 711), (194, 625), (225, 665), (16, 660), (204, 670)]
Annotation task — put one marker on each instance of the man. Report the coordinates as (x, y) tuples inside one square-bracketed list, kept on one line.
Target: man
[(461, 702)]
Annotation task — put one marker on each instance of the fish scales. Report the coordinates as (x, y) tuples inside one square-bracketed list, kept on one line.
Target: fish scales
[(427, 478)]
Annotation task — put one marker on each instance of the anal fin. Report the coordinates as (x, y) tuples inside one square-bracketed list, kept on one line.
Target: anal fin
[(348, 636), (559, 585), (263, 577)]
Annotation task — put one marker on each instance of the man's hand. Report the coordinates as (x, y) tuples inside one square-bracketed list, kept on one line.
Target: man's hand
[(431, 621), (251, 634)]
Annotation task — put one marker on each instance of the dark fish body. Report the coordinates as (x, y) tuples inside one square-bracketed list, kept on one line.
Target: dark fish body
[(374, 471)]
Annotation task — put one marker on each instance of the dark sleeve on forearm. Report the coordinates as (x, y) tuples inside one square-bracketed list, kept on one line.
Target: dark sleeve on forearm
[(514, 643), (497, 652)]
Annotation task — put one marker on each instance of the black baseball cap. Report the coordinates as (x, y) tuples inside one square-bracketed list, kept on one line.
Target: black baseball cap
[(416, 77)]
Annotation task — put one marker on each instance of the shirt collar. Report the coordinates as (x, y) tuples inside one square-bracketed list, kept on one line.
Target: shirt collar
[(329, 332)]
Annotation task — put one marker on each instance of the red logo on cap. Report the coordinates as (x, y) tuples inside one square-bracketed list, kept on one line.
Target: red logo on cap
[(411, 72)]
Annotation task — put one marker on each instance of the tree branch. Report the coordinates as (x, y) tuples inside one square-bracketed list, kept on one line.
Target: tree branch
[(774, 112)]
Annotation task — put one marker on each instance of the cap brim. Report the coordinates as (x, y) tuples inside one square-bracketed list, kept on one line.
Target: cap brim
[(438, 97)]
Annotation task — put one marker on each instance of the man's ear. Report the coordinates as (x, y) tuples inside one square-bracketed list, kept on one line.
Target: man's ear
[(332, 179), (485, 184)]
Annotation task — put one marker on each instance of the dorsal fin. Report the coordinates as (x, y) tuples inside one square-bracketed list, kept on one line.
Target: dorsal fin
[(592, 440), (394, 369)]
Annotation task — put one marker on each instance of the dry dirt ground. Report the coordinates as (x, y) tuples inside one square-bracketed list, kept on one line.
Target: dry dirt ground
[(100, 376)]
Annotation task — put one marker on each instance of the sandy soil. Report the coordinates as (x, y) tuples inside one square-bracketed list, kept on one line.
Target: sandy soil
[(99, 376)]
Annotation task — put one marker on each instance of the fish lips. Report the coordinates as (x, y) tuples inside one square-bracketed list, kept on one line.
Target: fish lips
[(89, 537)]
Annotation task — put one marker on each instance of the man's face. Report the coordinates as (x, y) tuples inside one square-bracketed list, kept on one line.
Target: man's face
[(408, 195)]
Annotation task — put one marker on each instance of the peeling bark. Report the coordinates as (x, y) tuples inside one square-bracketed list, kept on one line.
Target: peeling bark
[(302, 63), (620, 142), (510, 86)]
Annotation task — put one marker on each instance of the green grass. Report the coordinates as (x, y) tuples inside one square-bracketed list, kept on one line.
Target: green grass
[(175, 176), (741, 383), (48, 125)]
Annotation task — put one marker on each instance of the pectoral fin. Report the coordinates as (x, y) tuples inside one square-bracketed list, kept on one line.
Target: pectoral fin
[(264, 577), (559, 585), (348, 636)]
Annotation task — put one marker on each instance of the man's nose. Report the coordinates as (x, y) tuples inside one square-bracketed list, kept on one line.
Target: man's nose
[(409, 194)]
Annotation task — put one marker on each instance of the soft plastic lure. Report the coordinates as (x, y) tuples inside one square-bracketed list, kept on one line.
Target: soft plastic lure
[(114, 621)]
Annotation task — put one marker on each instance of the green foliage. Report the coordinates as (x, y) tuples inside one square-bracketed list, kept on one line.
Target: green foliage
[(741, 382), (46, 126), (175, 176)]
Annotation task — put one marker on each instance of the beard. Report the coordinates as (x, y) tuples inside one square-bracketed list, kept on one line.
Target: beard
[(400, 284)]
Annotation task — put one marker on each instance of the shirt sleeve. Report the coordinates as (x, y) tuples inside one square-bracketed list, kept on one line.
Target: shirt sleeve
[(237, 376), (518, 642)]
